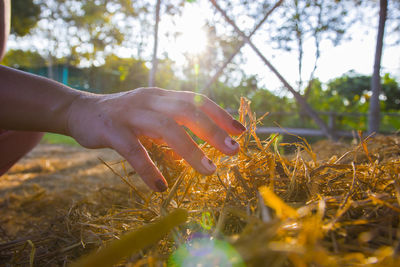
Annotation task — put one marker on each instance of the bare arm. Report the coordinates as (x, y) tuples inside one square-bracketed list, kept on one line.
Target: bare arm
[(33, 103), (117, 121)]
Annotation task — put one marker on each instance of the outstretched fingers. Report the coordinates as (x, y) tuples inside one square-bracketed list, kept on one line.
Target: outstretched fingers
[(188, 114), (158, 124), (158, 114)]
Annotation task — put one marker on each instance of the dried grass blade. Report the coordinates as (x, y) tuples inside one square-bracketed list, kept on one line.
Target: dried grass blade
[(258, 142), (339, 213), (242, 110), (173, 190), (188, 187), (270, 142), (350, 192), (259, 120), (125, 180), (32, 254), (397, 186), (364, 145), (375, 199), (221, 182), (242, 181), (222, 215)]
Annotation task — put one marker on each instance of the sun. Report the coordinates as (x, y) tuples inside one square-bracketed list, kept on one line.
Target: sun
[(192, 38)]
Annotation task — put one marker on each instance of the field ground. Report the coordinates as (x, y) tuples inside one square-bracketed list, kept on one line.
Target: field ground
[(58, 167), (41, 189), (61, 201)]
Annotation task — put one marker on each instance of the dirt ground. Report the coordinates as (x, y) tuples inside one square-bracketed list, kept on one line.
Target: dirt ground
[(39, 192), (58, 167), (45, 197)]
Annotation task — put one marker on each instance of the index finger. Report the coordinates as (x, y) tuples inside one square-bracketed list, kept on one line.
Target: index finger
[(220, 116)]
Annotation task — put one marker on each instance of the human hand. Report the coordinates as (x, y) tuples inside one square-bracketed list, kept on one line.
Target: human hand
[(118, 121)]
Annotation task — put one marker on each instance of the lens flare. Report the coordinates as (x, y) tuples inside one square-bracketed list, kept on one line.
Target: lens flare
[(201, 250), (206, 221)]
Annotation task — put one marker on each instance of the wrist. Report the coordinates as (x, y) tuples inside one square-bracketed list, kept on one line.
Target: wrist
[(81, 118)]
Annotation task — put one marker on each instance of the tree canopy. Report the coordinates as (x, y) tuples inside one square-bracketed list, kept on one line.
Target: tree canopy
[(92, 35), (25, 15)]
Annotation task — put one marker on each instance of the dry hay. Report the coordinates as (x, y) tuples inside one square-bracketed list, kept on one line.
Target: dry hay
[(259, 209)]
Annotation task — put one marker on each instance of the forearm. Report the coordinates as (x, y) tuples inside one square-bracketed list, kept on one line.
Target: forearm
[(33, 103)]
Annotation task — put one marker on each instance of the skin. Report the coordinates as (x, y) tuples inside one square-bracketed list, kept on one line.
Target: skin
[(117, 121), (4, 25)]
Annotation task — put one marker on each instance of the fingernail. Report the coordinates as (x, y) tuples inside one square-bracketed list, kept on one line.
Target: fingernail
[(238, 125), (232, 144), (161, 186), (208, 164)]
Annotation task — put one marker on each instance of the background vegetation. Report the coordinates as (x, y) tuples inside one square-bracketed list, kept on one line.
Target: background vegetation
[(84, 38)]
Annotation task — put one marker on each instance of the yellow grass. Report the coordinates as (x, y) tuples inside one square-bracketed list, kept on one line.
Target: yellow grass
[(337, 205)]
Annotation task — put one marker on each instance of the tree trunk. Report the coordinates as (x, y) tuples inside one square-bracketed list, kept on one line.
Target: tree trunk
[(154, 62), (374, 106)]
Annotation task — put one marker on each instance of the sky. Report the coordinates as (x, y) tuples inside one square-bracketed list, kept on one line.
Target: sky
[(356, 54)]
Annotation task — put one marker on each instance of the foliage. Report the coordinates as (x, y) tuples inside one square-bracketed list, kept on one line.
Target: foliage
[(391, 90), (311, 19), (229, 96), (350, 94), (119, 74), (394, 18), (80, 30), (165, 76), (115, 75), (25, 14), (392, 27), (23, 59), (123, 74), (353, 89)]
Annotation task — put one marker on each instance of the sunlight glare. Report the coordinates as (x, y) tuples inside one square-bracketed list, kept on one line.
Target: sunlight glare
[(193, 39), (201, 250)]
